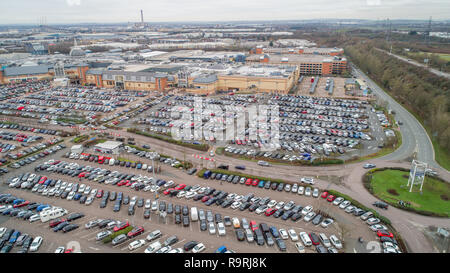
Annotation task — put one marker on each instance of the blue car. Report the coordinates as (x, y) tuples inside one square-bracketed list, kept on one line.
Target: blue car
[(41, 207), (14, 236), (77, 196), (261, 184), (18, 201), (7, 211), (221, 249)]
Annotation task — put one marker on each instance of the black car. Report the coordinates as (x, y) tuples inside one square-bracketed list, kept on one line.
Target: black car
[(169, 208), (203, 225), (287, 215), (321, 249), (240, 234), (60, 226), (177, 219), (126, 200), (147, 213), (185, 221), (74, 216), (104, 223), (189, 245), (177, 209), (117, 206), (381, 205), (69, 228), (280, 243), (185, 210), (296, 216)]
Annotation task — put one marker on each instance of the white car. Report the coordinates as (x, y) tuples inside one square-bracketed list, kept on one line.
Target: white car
[(350, 209), (198, 248), (236, 205), (308, 191), (300, 248), (92, 223), (279, 205), (293, 235), (181, 194), (260, 209), (211, 228), (307, 210), (71, 195), (34, 218), (307, 180), (272, 203), (36, 244), (337, 201), (2, 231), (315, 193), (221, 229), (344, 204), (325, 223), (324, 239), (283, 234), (148, 203), (176, 250), (154, 205), (136, 244), (335, 241), (372, 221), (391, 245), (60, 249), (309, 216), (378, 227), (190, 194), (301, 190)]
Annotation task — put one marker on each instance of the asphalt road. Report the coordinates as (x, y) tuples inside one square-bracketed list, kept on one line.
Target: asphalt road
[(413, 62), (414, 137)]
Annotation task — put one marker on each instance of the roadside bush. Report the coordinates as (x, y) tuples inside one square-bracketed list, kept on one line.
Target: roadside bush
[(115, 234)]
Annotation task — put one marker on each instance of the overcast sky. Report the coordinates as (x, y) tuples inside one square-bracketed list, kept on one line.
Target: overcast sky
[(110, 11)]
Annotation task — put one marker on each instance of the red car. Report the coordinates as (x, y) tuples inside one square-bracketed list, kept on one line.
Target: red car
[(331, 198), (314, 239), (205, 198), (56, 222), (384, 233), (43, 179), (99, 194), (121, 183), (21, 204), (167, 192), (255, 182), (135, 232), (253, 225), (83, 174), (129, 183), (69, 250), (270, 211), (121, 226), (324, 194), (180, 187), (248, 182)]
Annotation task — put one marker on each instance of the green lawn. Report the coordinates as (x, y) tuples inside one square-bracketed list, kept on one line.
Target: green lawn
[(430, 200)]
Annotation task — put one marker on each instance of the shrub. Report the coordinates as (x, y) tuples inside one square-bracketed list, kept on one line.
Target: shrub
[(115, 234), (392, 192)]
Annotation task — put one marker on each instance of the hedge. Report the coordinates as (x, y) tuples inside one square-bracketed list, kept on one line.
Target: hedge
[(115, 234), (199, 147)]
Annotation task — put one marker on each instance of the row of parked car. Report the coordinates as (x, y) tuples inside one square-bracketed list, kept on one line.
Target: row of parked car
[(44, 153), (10, 238)]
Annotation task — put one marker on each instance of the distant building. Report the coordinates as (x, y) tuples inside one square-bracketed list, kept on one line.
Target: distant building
[(109, 147)]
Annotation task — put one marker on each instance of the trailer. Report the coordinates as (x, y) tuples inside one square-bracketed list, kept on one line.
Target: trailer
[(314, 84), (52, 213)]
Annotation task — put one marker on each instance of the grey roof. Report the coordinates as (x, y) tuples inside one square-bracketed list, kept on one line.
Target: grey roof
[(131, 76), (95, 72), (25, 70), (206, 79), (350, 81)]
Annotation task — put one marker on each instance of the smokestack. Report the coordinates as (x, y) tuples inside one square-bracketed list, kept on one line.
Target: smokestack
[(142, 16)]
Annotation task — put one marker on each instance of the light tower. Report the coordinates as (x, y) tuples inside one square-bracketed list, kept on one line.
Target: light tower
[(417, 174)]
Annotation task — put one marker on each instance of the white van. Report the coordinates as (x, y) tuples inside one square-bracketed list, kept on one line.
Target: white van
[(111, 162), (324, 239), (305, 239), (35, 218), (152, 248), (194, 214), (52, 213)]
